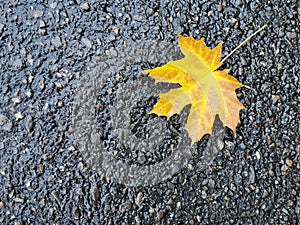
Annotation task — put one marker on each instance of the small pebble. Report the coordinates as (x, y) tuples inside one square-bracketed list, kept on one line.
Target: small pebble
[(58, 85), (95, 193), (291, 35), (138, 18), (211, 183), (41, 85), (87, 42), (111, 38), (60, 104), (5, 123), (23, 51), (170, 202), (16, 100), (99, 42), (203, 194), (19, 200), (19, 116), (160, 215), (28, 94), (149, 12), (38, 14), (85, 6), (18, 64), (289, 162), (1, 205), (10, 46), (1, 27), (55, 196), (151, 210), (30, 59), (76, 213), (126, 207), (41, 168), (116, 29), (251, 175), (139, 199), (53, 5), (137, 220), (42, 24), (56, 42), (43, 32), (265, 194), (257, 154), (29, 123), (220, 144), (3, 119), (284, 168), (275, 97)]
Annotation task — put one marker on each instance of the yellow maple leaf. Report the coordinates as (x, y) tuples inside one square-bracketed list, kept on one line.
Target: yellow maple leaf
[(208, 90)]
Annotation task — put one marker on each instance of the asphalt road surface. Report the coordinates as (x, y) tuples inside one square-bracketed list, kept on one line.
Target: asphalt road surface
[(51, 52)]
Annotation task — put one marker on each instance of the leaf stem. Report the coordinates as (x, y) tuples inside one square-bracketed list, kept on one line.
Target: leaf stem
[(244, 42)]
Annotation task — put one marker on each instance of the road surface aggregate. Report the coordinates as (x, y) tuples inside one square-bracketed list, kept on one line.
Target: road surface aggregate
[(47, 48)]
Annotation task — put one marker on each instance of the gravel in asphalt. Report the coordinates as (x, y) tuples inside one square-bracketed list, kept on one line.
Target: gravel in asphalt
[(48, 47)]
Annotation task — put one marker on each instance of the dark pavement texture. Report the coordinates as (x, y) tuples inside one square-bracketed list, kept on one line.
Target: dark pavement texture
[(47, 46)]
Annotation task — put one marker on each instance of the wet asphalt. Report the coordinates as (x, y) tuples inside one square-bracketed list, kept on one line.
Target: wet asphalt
[(47, 50)]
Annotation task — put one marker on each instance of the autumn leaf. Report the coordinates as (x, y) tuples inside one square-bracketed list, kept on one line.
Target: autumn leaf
[(208, 90)]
